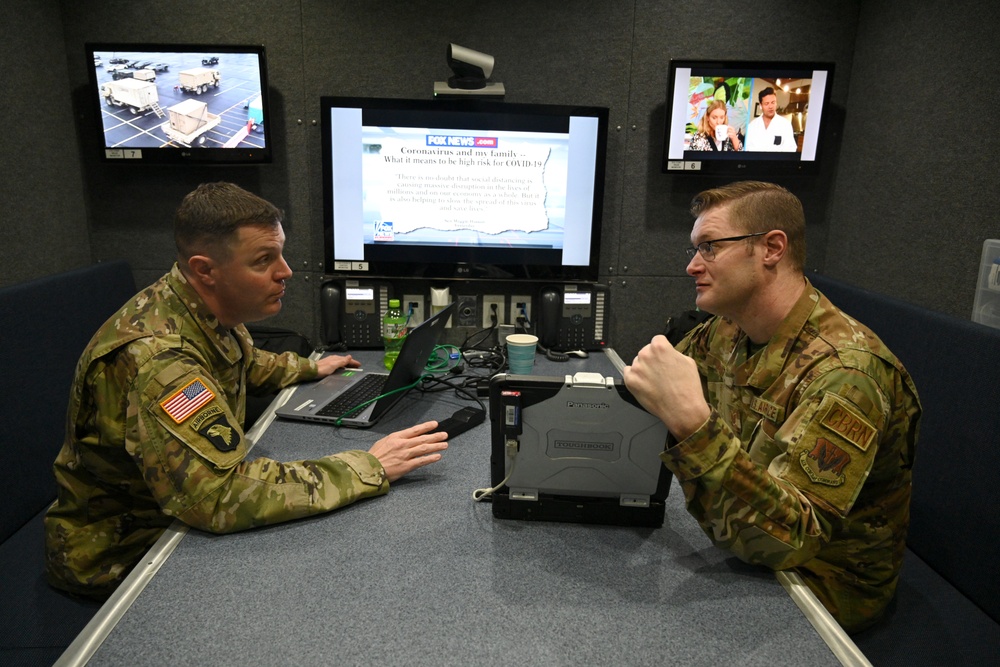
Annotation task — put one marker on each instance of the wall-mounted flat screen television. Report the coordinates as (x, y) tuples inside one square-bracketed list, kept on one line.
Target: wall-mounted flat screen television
[(170, 103), (746, 118), (462, 188)]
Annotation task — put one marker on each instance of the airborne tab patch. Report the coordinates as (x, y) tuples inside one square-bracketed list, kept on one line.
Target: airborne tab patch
[(186, 402), (840, 417)]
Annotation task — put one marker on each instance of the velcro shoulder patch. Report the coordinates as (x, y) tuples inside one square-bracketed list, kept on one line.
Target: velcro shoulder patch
[(847, 421), (833, 454), (187, 401), (211, 433), (216, 429), (825, 463)]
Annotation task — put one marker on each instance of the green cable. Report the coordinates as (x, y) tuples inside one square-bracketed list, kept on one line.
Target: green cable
[(359, 406), (435, 364)]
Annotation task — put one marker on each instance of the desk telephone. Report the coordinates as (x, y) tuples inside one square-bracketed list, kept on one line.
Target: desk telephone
[(352, 313), (572, 317)]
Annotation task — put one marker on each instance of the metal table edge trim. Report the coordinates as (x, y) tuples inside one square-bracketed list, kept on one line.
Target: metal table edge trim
[(828, 629), (97, 630), (85, 645), (840, 643)]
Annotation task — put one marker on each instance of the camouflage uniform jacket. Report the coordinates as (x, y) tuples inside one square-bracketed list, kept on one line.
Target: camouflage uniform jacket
[(154, 434), (805, 460)]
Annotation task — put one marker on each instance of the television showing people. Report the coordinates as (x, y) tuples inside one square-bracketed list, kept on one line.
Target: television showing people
[(770, 131), (714, 131), (745, 117)]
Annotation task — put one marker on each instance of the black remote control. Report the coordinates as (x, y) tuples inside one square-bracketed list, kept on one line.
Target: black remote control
[(461, 421)]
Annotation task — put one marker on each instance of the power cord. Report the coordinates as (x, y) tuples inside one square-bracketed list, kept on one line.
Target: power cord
[(551, 354), (488, 331), (511, 447), (429, 382)]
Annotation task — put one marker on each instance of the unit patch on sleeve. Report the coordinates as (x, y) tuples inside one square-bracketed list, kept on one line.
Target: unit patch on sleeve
[(840, 417), (221, 434), (825, 463), (186, 402), (834, 450)]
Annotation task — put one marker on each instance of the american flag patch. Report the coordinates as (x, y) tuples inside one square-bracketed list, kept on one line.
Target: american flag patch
[(181, 405)]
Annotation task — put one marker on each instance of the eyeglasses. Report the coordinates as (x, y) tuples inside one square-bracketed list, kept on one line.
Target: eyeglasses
[(707, 249)]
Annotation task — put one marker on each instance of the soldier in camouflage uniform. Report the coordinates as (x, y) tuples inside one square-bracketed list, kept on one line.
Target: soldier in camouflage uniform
[(154, 424), (795, 426)]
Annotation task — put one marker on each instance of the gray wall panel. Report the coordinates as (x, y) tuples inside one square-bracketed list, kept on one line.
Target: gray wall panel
[(923, 184), (43, 220), (655, 207), (915, 195), (640, 309), (577, 52), (656, 225), (131, 207)]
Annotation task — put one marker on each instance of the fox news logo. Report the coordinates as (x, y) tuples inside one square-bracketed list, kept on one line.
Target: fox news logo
[(461, 142), (383, 231)]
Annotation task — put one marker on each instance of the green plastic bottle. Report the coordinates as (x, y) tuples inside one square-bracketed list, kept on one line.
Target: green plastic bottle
[(393, 332)]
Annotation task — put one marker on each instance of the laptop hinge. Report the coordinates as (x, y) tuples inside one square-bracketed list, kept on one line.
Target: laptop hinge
[(631, 500), (593, 380), (524, 494)]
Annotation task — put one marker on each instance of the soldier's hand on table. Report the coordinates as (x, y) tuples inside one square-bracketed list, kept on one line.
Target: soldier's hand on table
[(334, 362), (404, 451)]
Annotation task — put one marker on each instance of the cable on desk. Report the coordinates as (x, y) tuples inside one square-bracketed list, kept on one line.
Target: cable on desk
[(475, 354), (483, 333), (429, 381), (480, 495), (553, 355), (360, 406), (435, 364), (492, 360)]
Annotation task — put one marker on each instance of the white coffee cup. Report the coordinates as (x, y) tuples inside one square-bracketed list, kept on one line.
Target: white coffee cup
[(521, 353), (721, 133)]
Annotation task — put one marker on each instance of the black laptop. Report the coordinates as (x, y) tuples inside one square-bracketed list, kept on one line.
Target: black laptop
[(358, 397)]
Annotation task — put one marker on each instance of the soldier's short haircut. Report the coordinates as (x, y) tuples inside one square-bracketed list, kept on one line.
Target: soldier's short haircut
[(755, 206), (209, 217)]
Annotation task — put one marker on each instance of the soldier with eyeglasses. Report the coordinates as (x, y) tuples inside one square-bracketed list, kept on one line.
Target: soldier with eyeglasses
[(793, 427)]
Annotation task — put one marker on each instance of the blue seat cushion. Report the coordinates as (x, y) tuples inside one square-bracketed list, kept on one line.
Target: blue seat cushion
[(36, 620)]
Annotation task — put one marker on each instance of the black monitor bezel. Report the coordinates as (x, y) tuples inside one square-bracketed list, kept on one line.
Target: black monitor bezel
[(466, 263), (176, 155), (748, 164)]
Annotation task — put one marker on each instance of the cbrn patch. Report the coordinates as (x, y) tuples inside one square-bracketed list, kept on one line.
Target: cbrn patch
[(842, 418)]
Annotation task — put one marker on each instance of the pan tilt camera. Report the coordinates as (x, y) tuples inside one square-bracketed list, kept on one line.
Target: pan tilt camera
[(472, 75)]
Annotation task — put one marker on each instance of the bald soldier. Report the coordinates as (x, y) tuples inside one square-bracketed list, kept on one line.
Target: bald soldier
[(795, 426), (157, 406)]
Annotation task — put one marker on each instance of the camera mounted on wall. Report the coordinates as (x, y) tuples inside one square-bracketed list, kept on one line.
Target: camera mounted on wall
[(472, 71)]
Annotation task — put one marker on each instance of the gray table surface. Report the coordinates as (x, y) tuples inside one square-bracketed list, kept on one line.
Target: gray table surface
[(426, 576)]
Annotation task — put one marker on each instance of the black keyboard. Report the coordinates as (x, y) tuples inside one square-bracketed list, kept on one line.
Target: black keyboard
[(364, 390)]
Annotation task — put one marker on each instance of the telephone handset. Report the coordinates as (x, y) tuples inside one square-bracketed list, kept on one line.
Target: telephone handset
[(352, 313), (572, 317)]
